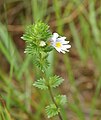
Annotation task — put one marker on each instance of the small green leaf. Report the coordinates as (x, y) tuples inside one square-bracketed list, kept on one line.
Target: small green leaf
[(27, 37), (41, 84), (42, 64), (55, 81), (60, 99), (48, 49), (52, 110), (32, 49)]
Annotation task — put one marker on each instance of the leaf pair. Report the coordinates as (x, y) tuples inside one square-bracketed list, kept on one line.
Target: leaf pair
[(53, 82), (52, 109)]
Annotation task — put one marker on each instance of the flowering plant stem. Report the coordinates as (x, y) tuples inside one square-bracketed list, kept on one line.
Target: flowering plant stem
[(52, 97), (39, 43)]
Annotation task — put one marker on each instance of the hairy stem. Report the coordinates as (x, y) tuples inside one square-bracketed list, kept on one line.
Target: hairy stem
[(52, 97)]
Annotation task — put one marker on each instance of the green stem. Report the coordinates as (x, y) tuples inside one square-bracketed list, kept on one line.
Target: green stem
[(52, 97)]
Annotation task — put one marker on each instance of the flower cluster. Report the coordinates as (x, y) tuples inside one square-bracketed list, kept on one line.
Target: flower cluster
[(39, 38), (40, 41), (59, 43)]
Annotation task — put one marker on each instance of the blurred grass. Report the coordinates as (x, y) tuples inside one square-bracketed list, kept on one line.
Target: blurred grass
[(83, 21), (4, 115)]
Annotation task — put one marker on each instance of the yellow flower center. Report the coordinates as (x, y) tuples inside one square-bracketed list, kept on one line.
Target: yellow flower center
[(58, 44)]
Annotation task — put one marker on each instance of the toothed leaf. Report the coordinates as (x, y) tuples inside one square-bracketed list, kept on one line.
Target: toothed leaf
[(41, 84), (52, 110), (60, 99), (55, 81)]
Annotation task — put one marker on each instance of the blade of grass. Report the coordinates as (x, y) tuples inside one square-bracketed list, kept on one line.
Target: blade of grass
[(24, 67), (57, 9), (4, 114), (39, 9), (79, 112), (8, 51), (77, 41), (93, 22), (93, 104), (9, 87), (75, 108), (85, 32)]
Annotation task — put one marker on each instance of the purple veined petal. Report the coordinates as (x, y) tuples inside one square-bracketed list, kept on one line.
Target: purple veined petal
[(53, 44), (64, 48), (62, 41)]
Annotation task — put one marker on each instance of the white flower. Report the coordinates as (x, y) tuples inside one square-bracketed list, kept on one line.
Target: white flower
[(42, 44), (59, 43)]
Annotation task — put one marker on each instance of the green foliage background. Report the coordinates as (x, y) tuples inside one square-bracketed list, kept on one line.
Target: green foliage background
[(80, 22)]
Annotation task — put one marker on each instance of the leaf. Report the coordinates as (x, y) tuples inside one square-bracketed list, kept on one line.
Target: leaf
[(41, 84), (36, 32), (60, 99), (32, 48), (27, 37), (48, 49), (52, 110), (42, 64), (55, 81)]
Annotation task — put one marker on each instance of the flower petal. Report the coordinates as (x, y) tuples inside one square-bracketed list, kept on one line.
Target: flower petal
[(58, 49), (61, 38), (67, 46), (64, 42), (55, 35), (63, 51), (59, 43)]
